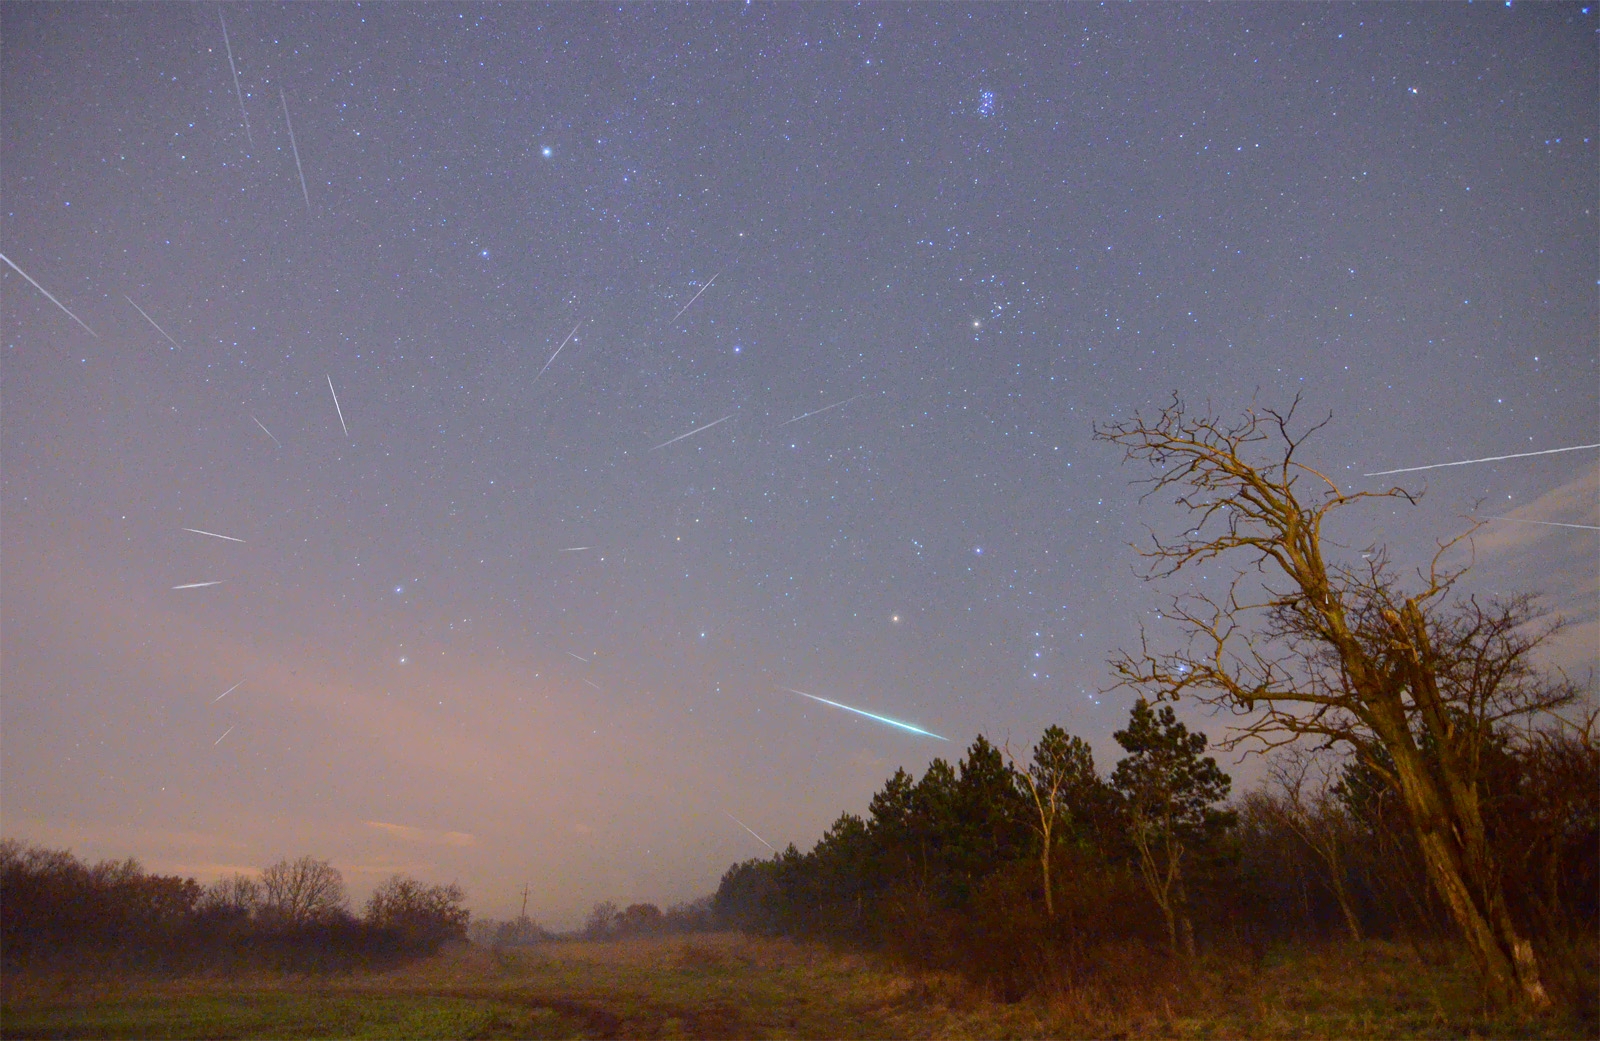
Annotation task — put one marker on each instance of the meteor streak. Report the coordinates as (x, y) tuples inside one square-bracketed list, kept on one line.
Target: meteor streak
[(199, 585), (224, 694), (820, 411), (235, 71), (225, 733), (264, 430), (213, 534), (295, 148), (547, 364), (1553, 524), (152, 321), (746, 827), (693, 432), (46, 292), (692, 299), (869, 715), (1485, 459), (575, 549), (337, 408), (579, 657)]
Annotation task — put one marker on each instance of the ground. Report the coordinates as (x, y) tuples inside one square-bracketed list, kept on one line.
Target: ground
[(727, 985)]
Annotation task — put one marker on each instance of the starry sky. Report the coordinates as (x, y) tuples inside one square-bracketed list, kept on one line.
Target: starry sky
[(486, 620)]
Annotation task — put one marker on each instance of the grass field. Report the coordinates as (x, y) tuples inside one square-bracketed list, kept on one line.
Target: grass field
[(731, 986)]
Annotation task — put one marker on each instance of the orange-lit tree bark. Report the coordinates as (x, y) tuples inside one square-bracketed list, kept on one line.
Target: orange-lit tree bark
[(1298, 645)]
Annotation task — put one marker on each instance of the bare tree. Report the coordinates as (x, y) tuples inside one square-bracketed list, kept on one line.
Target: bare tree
[(428, 916), (235, 896), (1298, 645), (298, 892), (1307, 805)]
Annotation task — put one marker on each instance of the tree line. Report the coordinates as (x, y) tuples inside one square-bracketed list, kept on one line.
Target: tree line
[(57, 911), (1426, 778)]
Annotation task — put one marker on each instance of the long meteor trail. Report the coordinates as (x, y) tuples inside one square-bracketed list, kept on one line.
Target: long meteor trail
[(46, 292), (869, 715), (152, 321), (1551, 524), (199, 585), (213, 534), (692, 299), (295, 148), (224, 694), (820, 411), (695, 431), (547, 364), (235, 71), (747, 827), (336, 407), (1485, 459)]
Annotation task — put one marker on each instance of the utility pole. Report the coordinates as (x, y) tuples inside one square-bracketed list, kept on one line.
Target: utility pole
[(524, 900)]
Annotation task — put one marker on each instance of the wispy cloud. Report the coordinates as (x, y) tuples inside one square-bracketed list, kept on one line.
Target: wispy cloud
[(424, 835), (1576, 502)]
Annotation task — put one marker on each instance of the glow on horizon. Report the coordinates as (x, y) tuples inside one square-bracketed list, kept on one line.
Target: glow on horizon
[(869, 715)]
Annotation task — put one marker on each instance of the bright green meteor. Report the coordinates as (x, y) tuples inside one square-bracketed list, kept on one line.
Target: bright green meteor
[(869, 715)]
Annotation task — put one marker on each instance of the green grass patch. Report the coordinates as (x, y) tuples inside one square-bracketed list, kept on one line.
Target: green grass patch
[(729, 986), (280, 1014)]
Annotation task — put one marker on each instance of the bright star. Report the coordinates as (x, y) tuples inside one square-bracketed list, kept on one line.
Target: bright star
[(547, 151)]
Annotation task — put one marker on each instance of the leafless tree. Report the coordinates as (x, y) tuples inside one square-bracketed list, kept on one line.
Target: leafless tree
[(298, 892), (430, 915), (1300, 646), (1304, 802), (234, 895)]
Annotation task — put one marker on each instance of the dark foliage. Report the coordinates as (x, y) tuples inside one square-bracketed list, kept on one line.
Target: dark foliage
[(945, 870), (58, 913)]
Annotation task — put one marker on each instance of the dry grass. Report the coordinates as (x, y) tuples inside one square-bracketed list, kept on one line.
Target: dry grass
[(727, 985)]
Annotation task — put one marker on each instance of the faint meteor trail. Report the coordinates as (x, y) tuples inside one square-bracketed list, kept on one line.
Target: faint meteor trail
[(199, 585), (869, 715), (747, 827), (225, 733), (820, 411), (235, 71), (152, 321), (692, 299), (224, 694), (596, 686), (575, 549), (46, 292), (693, 432), (337, 408), (264, 430), (1485, 459), (1553, 524), (580, 657), (295, 148), (213, 534), (547, 364)]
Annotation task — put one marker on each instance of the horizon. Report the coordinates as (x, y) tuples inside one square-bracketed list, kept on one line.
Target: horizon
[(517, 408)]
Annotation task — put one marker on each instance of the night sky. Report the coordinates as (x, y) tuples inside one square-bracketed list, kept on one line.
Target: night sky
[(484, 623)]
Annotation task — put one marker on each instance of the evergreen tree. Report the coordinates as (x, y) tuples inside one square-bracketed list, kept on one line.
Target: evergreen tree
[(1168, 790)]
